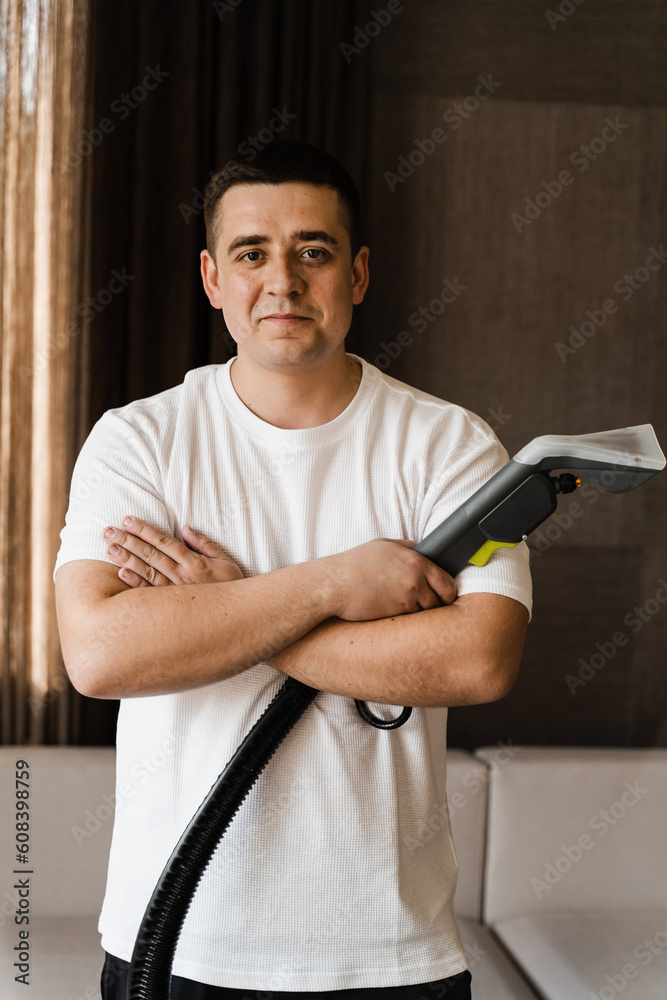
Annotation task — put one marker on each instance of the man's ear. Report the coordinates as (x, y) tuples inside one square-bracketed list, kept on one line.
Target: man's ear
[(210, 279), (360, 275)]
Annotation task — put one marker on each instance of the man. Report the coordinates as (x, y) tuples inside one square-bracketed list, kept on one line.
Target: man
[(276, 501)]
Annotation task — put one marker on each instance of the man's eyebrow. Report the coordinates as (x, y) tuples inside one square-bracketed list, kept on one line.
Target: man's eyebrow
[(315, 235), (247, 241)]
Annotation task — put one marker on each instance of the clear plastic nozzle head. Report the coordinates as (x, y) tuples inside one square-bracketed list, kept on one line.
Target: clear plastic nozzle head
[(632, 454)]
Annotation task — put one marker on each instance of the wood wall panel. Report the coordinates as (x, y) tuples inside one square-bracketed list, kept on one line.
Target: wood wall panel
[(610, 51), (578, 603), (493, 348)]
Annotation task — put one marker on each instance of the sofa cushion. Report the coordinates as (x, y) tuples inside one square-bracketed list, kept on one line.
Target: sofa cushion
[(591, 956), (575, 829)]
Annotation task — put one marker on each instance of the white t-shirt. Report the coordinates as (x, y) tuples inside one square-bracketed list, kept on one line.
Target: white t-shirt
[(317, 884)]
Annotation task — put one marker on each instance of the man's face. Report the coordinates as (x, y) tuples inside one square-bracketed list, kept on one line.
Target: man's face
[(284, 278)]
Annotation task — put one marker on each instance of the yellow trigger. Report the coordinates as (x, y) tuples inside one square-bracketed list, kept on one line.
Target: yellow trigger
[(482, 556)]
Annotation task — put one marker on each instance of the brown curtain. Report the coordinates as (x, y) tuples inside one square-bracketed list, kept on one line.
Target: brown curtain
[(172, 98), (227, 72), (43, 50)]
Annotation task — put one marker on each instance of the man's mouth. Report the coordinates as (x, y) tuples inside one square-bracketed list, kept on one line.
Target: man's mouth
[(285, 317)]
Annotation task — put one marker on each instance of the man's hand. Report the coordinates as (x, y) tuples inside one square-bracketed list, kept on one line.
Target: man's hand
[(149, 557), (386, 577)]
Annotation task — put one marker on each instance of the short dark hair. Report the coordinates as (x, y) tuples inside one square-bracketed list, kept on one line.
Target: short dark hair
[(277, 163)]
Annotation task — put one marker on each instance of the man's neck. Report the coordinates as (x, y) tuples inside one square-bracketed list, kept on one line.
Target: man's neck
[(294, 399)]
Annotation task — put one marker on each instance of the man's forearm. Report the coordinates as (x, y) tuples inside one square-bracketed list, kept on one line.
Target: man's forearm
[(159, 640), (467, 653)]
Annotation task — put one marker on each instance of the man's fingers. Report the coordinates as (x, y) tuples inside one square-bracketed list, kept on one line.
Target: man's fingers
[(132, 579), (198, 541), (142, 575), (134, 570), (442, 583), (153, 536), (126, 547)]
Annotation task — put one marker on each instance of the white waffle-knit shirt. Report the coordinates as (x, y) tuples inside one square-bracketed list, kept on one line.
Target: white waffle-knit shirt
[(324, 880)]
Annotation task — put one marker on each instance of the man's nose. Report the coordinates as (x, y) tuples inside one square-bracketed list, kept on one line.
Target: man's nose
[(283, 277)]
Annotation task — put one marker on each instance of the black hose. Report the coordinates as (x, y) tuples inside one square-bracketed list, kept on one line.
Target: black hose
[(450, 545), (149, 977)]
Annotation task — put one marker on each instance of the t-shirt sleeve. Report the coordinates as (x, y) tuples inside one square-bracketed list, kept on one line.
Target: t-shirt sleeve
[(115, 474), (507, 572)]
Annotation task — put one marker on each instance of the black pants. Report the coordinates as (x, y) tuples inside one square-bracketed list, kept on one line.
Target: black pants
[(114, 985)]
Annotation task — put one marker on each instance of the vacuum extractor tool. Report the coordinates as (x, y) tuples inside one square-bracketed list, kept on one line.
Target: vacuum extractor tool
[(503, 512)]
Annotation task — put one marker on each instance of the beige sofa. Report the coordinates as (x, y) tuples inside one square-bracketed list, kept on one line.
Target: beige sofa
[(562, 891), (71, 803), (575, 876)]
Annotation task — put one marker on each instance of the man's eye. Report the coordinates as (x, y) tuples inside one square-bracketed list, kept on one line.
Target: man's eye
[(315, 250), (251, 255)]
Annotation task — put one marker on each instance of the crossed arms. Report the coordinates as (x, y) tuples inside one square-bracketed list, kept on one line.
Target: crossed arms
[(377, 622)]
